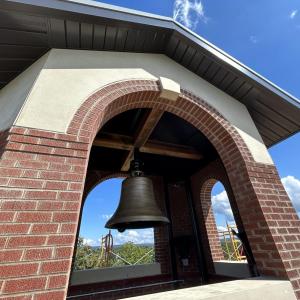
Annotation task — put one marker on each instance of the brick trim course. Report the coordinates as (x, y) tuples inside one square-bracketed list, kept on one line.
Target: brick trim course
[(42, 180)]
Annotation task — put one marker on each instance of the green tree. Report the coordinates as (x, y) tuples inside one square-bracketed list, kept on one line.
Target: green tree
[(86, 257), (132, 253), (89, 258)]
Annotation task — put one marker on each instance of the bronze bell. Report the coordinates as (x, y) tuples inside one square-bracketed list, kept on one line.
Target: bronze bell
[(137, 207)]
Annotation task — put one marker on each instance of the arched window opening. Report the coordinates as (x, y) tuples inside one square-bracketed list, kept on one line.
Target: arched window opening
[(98, 247), (231, 245)]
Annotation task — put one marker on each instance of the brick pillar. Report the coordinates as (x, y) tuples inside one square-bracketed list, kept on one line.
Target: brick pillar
[(202, 184), (271, 223), (182, 226), (161, 234), (41, 177)]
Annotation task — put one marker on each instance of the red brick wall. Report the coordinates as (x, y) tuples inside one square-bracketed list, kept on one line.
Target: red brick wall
[(161, 234), (182, 226), (203, 182), (42, 176), (209, 218)]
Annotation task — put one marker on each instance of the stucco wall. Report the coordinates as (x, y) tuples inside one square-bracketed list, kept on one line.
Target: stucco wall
[(68, 77), (14, 95)]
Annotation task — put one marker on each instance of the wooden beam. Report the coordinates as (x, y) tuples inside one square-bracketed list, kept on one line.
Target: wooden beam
[(116, 141), (172, 150), (149, 125), (143, 135), (126, 164)]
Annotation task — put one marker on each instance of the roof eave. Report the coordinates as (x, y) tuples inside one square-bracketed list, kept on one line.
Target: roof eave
[(98, 9)]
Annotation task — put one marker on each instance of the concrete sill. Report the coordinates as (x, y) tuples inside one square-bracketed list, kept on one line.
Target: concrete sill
[(236, 269), (246, 289), (115, 273)]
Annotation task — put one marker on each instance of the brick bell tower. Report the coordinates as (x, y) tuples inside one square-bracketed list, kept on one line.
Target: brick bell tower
[(80, 66)]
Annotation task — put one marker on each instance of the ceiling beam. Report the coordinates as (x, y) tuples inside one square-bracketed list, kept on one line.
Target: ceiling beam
[(143, 135), (114, 141), (121, 142), (147, 128), (172, 150)]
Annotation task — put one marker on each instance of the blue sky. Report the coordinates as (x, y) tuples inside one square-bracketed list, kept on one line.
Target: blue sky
[(264, 35)]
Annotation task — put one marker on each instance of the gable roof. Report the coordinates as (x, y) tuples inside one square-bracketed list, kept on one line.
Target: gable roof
[(29, 28)]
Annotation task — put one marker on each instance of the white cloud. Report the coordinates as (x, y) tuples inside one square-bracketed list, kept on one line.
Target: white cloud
[(253, 39), (141, 236), (221, 205), (106, 217), (292, 187), (224, 228), (189, 12), (291, 184), (221, 228), (293, 14), (89, 242)]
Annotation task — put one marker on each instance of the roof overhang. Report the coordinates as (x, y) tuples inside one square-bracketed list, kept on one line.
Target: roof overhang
[(29, 28)]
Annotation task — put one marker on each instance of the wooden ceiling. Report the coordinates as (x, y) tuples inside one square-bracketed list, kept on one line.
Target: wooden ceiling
[(168, 145)]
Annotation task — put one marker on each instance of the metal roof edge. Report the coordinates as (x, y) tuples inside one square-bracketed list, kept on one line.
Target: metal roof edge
[(235, 63), (99, 9), (283, 139), (109, 11)]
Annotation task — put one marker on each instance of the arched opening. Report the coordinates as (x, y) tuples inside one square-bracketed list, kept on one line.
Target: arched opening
[(221, 221), (172, 150), (232, 259), (224, 144), (221, 206), (98, 247), (53, 213)]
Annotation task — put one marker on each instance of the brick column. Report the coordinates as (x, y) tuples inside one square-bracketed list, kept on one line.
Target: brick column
[(161, 234), (202, 184), (271, 223), (41, 177), (182, 226)]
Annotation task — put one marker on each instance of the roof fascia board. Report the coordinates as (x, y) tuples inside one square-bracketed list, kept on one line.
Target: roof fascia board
[(235, 64), (97, 9)]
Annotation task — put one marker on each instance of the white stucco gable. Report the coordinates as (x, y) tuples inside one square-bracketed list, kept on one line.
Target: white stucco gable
[(49, 93)]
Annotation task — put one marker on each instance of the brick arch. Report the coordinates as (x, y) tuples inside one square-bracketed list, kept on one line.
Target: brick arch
[(118, 97), (203, 182), (206, 184), (95, 177), (248, 179), (42, 177), (213, 241), (121, 96)]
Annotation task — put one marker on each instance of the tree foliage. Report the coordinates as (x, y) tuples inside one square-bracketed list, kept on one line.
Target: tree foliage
[(88, 257), (134, 253)]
